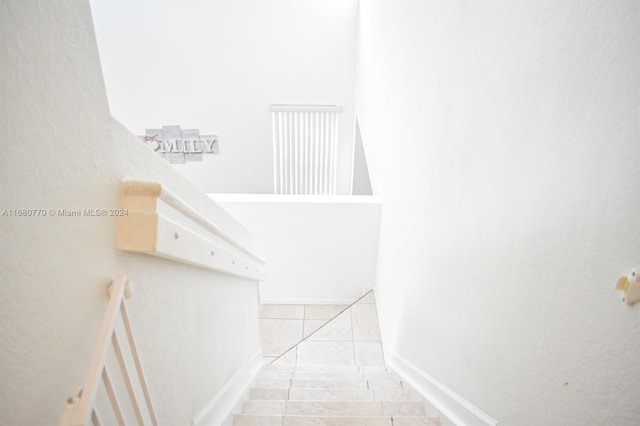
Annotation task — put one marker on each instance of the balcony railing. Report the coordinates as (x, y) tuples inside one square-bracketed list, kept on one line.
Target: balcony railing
[(305, 148)]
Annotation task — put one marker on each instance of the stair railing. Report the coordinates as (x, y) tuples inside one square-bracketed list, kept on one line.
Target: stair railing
[(80, 409)]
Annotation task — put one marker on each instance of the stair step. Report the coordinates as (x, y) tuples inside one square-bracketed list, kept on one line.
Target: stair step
[(333, 408), (306, 394), (328, 374), (371, 369), (251, 420), (330, 384), (348, 375), (269, 393), (264, 407), (336, 421), (339, 394), (303, 367), (416, 421), (392, 383), (314, 394), (282, 375), (397, 394)]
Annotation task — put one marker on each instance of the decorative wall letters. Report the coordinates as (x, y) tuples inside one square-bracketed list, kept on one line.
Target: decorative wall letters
[(180, 145)]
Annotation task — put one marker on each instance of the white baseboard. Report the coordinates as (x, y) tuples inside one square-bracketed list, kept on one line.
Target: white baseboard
[(453, 406), (224, 401)]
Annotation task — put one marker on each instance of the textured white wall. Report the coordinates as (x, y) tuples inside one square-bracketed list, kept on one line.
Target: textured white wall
[(504, 139), (218, 65), (62, 150), (318, 249)]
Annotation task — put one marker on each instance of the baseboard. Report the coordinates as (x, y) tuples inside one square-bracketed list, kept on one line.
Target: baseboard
[(268, 301), (223, 402), (453, 406)]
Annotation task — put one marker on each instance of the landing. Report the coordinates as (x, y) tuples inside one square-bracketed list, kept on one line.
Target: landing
[(328, 334)]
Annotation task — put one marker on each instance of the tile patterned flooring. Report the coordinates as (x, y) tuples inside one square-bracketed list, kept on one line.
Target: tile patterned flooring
[(352, 336), (327, 368)]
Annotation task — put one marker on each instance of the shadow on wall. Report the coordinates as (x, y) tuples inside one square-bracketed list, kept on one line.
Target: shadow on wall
[(361, 179)]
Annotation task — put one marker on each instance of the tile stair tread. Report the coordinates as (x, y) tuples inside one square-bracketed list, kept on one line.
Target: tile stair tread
[(312, 367), (416, 421), (347, 393), (253, 420), (336, 368), (302, 374), (312, 374), (262, 393), (326, 375), (313, 383), (372, 379), (332, 408), (328, 384)]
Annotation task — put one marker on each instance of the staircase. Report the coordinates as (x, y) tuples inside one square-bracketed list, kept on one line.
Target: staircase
[(332, 376)]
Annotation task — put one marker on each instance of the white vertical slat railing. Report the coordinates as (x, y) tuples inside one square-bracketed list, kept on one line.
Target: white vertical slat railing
[(305, 148), (81, 408)]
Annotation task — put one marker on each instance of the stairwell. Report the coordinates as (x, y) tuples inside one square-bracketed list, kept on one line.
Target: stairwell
[(331, 372)]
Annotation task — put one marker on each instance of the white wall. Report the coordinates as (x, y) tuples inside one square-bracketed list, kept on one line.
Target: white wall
[(503, 137), (62, 150), (218, 65), (319, 249)]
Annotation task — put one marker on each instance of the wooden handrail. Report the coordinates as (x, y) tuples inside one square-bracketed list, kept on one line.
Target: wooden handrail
[(159, 223)]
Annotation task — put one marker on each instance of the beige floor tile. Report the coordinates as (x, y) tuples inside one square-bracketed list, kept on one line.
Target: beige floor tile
[(248, 420), (328, 375), (331, 394), (415, 421), (388, 383), (373, 369), (278, 335), (369, 298), (338, 329), (263, 407), (368, 353), (274, 374), (269, 393), (336, 421), (312, 325), (339, 368), (403, 408), (272, 383), (365, 322), (325, 312), (288, 358), (282, 311), (278, 367), (334, 408), (397, 395), (325, 353), (329, 384), (382, 376)]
